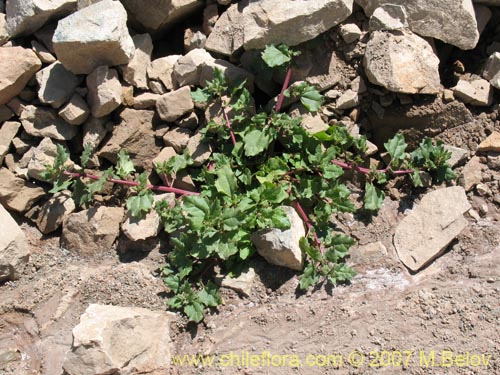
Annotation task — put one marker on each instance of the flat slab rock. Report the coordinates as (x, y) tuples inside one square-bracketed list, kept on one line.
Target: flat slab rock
[(426, 232)]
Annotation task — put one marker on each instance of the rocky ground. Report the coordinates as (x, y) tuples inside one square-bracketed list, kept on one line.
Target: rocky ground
[(80, 287)]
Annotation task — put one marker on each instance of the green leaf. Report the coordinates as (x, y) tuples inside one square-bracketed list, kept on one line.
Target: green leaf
[(280, 219), (196, 205), (140, 204), (309, 278), (226, 182), (374, 197), (274, 57), (200, 96), (396, 147), (60, 186), (311, 99), (194, 312), (124, 166), (209, 295), (88, 149), (256, 141)]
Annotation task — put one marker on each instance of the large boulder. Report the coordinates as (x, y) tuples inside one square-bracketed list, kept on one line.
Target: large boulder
[(120, 340), (453, 22), (17, 66), (94, 36), (26, 16), (435, 221), (17, 194), (402, 62), (14, 249)]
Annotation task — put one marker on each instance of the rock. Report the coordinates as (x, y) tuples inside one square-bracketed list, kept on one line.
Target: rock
[(437, 219), (124, 340), (453, 22), (187, 69), (199, 149), (193, 39), (76, 112), (368, 254), (5, 113), (8, 132), (4, 33), (210, 17), (492, 143), (162, 69), (175, 104), (350, 32), (389, 17), (402, 62), (226, 36), (94, 36), (137, 229), (188, 122), (177, 138), (232, 73), (44, 122), (281, 247), (347, 100), (51, 215), (162, 15), (472, 173), (127, 96), (242, 284), (17, 66), (491, 70), (166, 154), (105, 91), (483, 16), (94, 131), (135, 72), (57, 84), (92, 231), (476, 92), (45, 153), (458, 155), (312, 122), (14, 248), (145, 100), (136, 136), (43, 53), (26, 16), (157, 87), (17, 194)]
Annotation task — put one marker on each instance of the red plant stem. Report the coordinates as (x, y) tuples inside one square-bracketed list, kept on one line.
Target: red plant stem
[(283, 89), (133, 183), (228, 124), (367, 170), (308, 223)]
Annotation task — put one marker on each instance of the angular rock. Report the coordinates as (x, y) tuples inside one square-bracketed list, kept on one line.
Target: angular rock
[(436, 220), (347, 100), (45, 153), (4, 33), (210, 17), (17, 194), (43, 53), (491, 70), (57, 84), (94, 36), (199, 149), (368, 254), (177, 138), (187, 69), (166, 154), (227, 34), (135, 72), (124, 340), (105, 91), (175, 104), (458, 155), (26, 16), (162, 15), (453, 22), (281, 247), (14, 248), (233, 74), (162, 69), (476, 92), (350, 32), (136, 136), (44, 122), (492, 143), (76, 112), (145, 100), (8, 132), (188, 122), (242, 284), (51, 215), (312, 122), (402, 62), (92, 231), (193, 39), (17, 66), (389, 17), (472, 173), (94, 131)]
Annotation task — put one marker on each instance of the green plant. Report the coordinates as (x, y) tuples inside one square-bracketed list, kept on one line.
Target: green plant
[(261, 161)]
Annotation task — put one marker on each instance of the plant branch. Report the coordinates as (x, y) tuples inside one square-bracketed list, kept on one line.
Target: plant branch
[(228, 124), (367, 170), (283, 89), (309, 225), (132, 183)]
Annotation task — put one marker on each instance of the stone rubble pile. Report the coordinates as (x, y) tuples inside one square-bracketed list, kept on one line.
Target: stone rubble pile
[(118, 75)]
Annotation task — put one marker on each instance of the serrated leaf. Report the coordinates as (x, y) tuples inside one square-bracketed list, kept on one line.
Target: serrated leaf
[(396, 147), (256, 141), (309, 278), (124, 166), (374, 197), (140, 204), (226, 182), (194, 312), (86, 154), (209, 295), (312, 99), (200, 96), (226, 249), (274, 57), (60, 186), (280, 219)]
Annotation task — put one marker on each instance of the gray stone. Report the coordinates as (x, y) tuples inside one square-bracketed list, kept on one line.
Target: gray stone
[(281, 247), (491, 70), (199, 149), (8, 132), (475, 92), (92, 231), (472, 173), (226, 36), (312, 122), (194, 39), (350, 32), (233, 74), (94, 36), (402, 62), (242, 284), (162, 69), (17, 66), (26, 16), (453, 22), (52, 214), (44, 122), (435, 221), (57, 84), (136, 136), (188, 122), (175, 104), (43, 53), (165, 155), (4, 33), (177, 138), (187, 69), (349, 99), (14, 248), (490, 144), (145, 100), (135, 72), (76, 112), (389, 17), (368, 254), (458, 155), (105, 91), (94, 131), (17, 194)]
